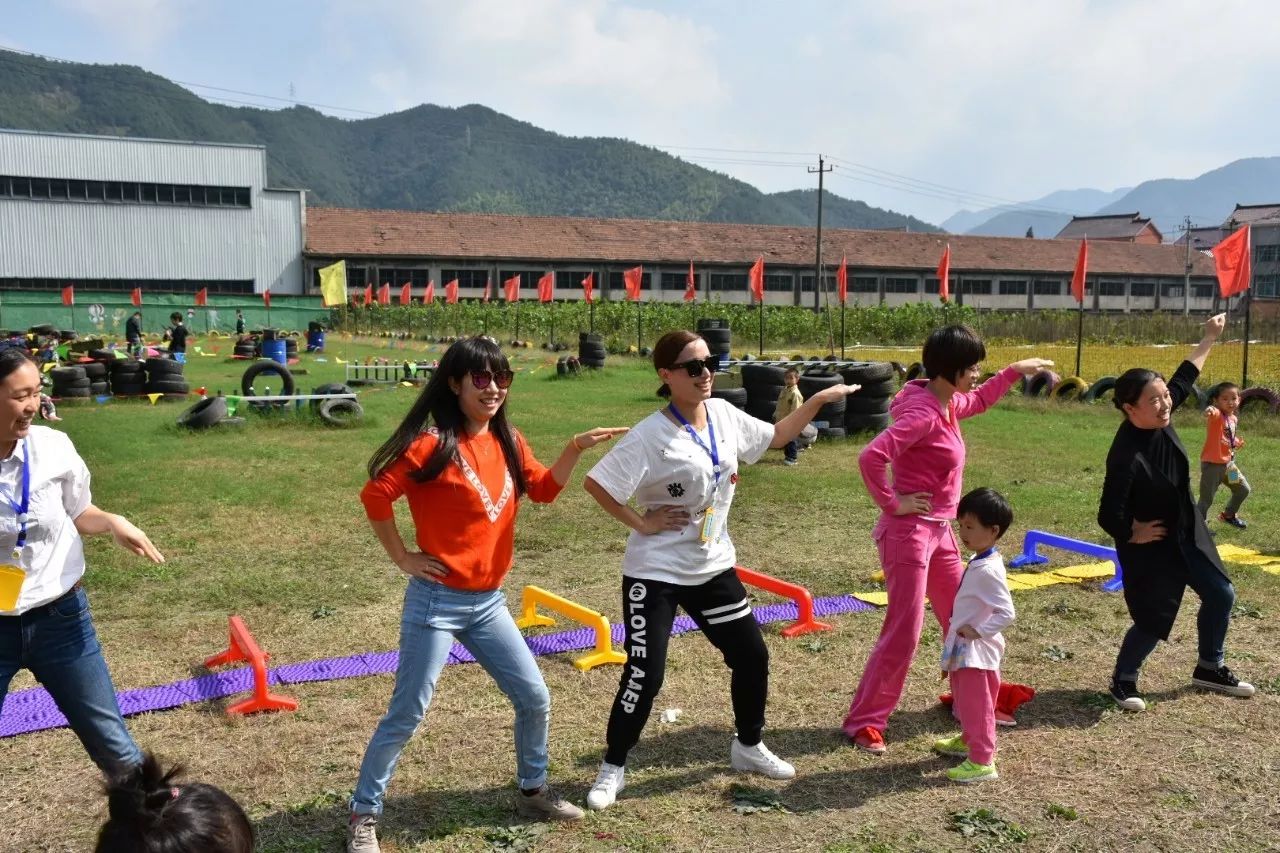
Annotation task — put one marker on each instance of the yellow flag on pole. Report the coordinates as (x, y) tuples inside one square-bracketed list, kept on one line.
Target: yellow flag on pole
[(333, 284)]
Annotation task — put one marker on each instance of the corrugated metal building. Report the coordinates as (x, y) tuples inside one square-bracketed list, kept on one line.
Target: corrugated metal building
[(113, 213)]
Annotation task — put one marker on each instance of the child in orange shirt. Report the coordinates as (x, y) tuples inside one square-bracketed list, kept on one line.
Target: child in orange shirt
[(1218, 458)]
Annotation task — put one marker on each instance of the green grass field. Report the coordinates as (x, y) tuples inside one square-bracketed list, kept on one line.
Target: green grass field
[(265, 521)]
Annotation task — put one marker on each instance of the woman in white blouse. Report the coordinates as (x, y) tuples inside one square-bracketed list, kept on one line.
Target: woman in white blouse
[(45, 625)]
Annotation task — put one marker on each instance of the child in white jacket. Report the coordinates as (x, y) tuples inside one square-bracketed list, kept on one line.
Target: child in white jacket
[(974, 647)]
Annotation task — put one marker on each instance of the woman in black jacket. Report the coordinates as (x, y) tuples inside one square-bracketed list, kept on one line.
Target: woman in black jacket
[(1163, 543)]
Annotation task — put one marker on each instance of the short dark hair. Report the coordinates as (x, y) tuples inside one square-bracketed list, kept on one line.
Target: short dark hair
[(791, 371), (11, 358), (950, 351), (1221, 388), (989, 507), (176, 316), (1129, 386), (668, 349)]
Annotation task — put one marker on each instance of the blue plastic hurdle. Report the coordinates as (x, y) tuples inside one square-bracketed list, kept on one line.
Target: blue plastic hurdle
[(1031, 557)]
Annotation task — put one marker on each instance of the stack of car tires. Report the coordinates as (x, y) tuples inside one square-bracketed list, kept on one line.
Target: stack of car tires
[(717, 335), (164, 376), (591, 351), (764, 384), (868, 409), (128, 377), (70, 382), (245, 348), (830, 419)]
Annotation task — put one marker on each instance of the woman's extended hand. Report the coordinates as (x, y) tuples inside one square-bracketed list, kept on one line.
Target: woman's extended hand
[(422, 566), (1031, 366), (130, 538), (592, 437), (916, 503), (835, 392), (660, 518), (1145, 532)]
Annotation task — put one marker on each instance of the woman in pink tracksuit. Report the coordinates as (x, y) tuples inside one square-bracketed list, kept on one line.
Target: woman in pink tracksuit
[(918, 549)]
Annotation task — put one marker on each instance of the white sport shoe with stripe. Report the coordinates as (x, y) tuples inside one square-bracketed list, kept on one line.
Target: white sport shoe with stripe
[(759, 759)]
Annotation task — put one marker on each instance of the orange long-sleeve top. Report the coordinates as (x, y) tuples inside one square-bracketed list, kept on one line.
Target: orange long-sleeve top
[(1220, 439), (466, 516)]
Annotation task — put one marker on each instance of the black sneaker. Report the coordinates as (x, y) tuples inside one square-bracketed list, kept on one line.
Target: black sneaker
[(1127, 696), (1233, 520), (1221, 680)]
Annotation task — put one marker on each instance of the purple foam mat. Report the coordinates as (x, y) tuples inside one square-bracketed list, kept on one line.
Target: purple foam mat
[(34, 710)]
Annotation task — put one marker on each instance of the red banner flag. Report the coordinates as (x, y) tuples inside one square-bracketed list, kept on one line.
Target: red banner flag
[(842, 281), (488, 288), (511, 288), (1233, 261), (1082, 269), (69, 295), (546, 288), (266, 298), (202, 297), (384, 294), (755, 279), (355, 299), (429, 295), (944, 275), (589, 286), (136, 297), (632, 279), (406, 293), (451, 292), (690, 285), (368, 295)]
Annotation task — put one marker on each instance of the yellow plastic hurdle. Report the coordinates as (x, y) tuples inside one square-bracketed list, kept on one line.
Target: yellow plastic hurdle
[(535, 596)]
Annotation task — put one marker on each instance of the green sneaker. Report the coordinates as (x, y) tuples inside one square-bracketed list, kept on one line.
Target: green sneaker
[(952, 746), (969, 772)]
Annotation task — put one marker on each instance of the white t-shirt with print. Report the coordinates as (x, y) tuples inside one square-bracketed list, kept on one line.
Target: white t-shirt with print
[(659, 463)]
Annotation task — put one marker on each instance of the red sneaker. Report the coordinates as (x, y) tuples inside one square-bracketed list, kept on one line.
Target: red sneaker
[(869, 740), (1004, 719)]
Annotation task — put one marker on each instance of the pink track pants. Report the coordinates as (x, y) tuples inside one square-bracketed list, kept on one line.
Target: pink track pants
[(920, 558), (974, 693)]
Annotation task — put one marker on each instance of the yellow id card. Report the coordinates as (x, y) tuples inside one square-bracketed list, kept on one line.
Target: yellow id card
[(11, 578)]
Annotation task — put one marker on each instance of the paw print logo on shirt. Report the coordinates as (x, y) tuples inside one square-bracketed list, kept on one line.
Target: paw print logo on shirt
[(675, 490)]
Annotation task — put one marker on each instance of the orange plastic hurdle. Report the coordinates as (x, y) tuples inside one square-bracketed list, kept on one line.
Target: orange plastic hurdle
[(243, 647), (604, 652), (805, 623)]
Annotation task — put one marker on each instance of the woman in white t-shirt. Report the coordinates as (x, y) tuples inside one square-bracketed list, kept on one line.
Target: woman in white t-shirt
[(680, 465)]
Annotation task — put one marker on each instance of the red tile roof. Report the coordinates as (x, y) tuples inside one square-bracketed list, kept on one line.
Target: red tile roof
[(1117, 226), (350, 233)]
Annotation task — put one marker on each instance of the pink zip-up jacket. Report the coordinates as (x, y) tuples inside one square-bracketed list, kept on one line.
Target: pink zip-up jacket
[(924, 445)]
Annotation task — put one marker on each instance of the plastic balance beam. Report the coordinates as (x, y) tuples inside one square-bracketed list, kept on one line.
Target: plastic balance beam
[(535, 597), (1035, 538), (805, 622), (243, 647)]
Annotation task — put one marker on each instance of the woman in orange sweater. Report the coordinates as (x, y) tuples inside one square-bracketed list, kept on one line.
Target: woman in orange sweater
[(463, 478)]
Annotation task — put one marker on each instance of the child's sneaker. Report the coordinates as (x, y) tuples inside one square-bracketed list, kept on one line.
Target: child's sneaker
[(968, 772), (790, 461), (1233, 520), (1003, 719), (952, 746), (1221, 680), (1127, 696), (869, 740), (362, 836), (609, 783), (759, 759)]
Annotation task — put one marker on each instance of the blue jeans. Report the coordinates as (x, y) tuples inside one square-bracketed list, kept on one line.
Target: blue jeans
[(57, 642), (434, 615)]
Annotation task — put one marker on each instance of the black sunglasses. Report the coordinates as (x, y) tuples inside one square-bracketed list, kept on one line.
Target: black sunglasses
[(695, 366), (501, 378)]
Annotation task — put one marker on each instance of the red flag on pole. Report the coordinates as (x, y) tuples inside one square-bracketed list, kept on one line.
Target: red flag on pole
[(368, 295), (589, 286), (429, 295), (546, 288), (451, 292), (632, 280), (511, 288), (69, 295), (1233, 261), (384, 294), (755, 279), (690, 285), (842, 281), (355, 299), (136, 297), (1082, 269), (944, 275), (488, 288), (266, 298), (406, 293), (202, 297)]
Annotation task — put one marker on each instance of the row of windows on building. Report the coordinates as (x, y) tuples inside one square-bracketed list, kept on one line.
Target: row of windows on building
[(122, 192), (126, 285)]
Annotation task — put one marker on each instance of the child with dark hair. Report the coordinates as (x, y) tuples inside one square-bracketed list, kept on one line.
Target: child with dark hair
[(788, 401), (150, 813), (1218, 457), (178, 338), (974, 646)]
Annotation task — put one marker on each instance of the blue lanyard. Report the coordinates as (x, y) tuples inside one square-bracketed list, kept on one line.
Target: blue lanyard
[(712, 451), (20, 509)]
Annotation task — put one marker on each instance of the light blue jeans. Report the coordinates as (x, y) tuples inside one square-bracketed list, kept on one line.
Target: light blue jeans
[(433, 616)]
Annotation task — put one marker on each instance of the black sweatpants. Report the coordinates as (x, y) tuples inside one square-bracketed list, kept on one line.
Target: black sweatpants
[(721, 610)]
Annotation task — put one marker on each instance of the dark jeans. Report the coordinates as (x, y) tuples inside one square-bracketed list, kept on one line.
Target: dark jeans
[(792, 450), (1216, 598), (57, 642), (721, 610)]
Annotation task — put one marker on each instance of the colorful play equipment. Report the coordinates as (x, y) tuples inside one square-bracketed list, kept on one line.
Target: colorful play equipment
[(243, 647), (535, 597), (1035, 538), (387, 370), (805, 622)]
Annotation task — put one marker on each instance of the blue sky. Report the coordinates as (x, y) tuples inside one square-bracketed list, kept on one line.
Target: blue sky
[(926, 106)]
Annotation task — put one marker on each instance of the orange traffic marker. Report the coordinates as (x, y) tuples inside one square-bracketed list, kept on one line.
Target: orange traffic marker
[(805, 623), (243, 647)]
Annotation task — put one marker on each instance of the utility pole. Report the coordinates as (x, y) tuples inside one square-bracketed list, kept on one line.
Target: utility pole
[(1186, 276), (817, 264)]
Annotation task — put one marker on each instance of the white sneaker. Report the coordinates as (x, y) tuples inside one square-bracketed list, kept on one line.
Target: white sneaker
[(361, 834), (758, 759), (609, 783)]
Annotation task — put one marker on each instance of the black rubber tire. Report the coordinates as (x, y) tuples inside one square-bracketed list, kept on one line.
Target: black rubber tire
[(1258, 397), (95, 370), (128, 390), (67, 374), (1071, 388), (763, 374), (591, 349), (856, 404), (868, 373), (127, 365), (266, 366), (735, 396), (101, 354), (329, 388), (1041, 384), (71, 383), (812, 383), (763, 394), (231, 422), (717, 337), (204, 414), (761, 410), (168, 386), (883, 390), (594, 363), (1103, 386), (340, 413), (72, 392), (707, 323), (44, 329), (99, 388), (832, 432), (867, 423), (160, 366), (590, 337), (900, 369)]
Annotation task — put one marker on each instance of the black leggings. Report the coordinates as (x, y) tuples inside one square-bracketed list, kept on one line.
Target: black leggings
[(721, 610)]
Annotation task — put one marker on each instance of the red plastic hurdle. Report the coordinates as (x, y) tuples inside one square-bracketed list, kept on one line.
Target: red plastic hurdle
[(805, 622), (243, 647)]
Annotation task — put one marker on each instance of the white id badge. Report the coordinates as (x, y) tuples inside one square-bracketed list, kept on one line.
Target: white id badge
[(707, 534)]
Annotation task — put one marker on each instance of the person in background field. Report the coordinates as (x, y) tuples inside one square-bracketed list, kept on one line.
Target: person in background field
[(148, 812), (974, 647), (239, 322), (463, 478), (1218, 457), (48, 411), (177, 338), (45, 624), (133, 333), (1160, 534), (788, 401)]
